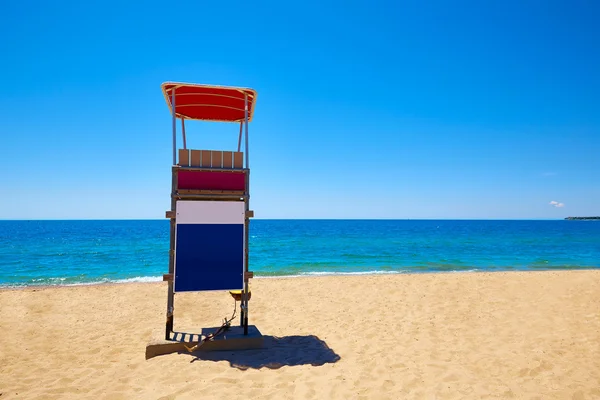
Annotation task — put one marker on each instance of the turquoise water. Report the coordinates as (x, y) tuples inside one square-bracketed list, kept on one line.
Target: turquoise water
[(75, 252)]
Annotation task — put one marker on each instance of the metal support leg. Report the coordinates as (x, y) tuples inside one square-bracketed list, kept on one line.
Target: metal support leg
[(169, 325), (246, 314), (170, 296), (246, 292), (170, 289)]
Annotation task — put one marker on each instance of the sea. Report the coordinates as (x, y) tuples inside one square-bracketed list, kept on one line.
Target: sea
[(93, 252)]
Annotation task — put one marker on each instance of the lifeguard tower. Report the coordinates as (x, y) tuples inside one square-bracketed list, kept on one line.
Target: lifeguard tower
[(210, 198)]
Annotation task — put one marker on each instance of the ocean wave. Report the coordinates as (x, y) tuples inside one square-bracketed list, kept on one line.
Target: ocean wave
[(330, 273), (359, 273), (376, 272), (71, 281), (140, 279)]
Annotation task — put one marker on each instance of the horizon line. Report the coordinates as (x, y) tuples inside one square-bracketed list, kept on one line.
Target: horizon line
[(299, 219)]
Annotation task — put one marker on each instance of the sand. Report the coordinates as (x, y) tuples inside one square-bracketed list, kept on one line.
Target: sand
[(521, 335)]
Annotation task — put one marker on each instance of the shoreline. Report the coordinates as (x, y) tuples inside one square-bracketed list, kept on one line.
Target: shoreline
[(158, 279)]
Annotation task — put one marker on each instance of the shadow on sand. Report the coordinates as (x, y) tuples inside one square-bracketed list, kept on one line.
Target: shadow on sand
[(276, 353)]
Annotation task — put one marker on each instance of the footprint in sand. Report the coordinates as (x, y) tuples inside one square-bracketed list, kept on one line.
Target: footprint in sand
[(543, 367)]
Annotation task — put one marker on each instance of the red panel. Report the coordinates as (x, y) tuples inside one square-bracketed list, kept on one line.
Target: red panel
[(211, 180), (210, 103)]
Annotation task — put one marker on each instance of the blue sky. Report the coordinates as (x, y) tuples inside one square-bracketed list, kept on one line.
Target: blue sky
[(439, 109)]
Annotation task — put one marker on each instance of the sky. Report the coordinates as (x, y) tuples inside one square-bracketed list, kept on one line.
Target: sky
[(413, 109)]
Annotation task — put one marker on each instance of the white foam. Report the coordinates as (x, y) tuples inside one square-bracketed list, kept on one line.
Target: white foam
[(376, 272), (142, 279), (59, 281), (332, 273)]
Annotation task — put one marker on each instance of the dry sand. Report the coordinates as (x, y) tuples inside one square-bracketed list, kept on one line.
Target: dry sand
[(533, 335)]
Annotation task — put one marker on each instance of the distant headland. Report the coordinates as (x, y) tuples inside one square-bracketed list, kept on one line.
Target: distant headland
[(583, 218)]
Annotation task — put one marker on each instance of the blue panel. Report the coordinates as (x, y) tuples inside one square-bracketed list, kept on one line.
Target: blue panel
[(209, 257)]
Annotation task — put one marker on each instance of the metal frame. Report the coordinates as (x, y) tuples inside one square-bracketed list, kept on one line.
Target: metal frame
[(244, 314), (224, 196)]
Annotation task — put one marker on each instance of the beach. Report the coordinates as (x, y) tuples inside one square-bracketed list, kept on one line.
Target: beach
[(521, 335)]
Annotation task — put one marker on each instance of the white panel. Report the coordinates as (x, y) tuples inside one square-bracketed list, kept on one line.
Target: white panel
[(209, 212)]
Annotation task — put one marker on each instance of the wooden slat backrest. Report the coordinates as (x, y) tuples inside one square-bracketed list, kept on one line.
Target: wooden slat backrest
[(217, 159), (238, 159), (195, 158), (184, 157), (227, 159), (205, 158), (211, 159)]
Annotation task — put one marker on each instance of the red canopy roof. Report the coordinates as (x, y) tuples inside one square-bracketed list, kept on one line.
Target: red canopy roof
[(209, 103)]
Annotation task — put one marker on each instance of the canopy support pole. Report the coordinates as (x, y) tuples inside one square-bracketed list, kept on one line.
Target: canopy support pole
[(174, 127), (246, 123), (240, 137), (183, 132)]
